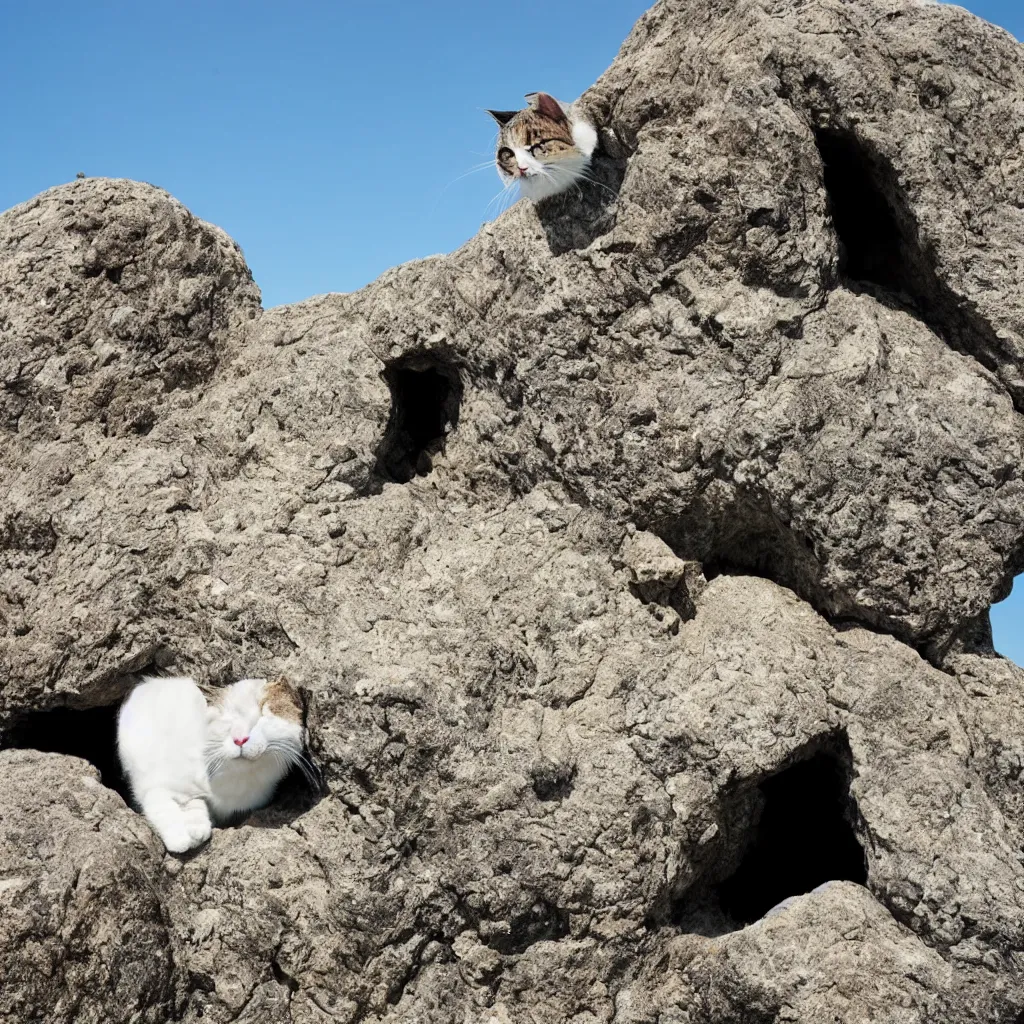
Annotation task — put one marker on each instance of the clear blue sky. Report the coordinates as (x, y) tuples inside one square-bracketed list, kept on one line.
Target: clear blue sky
[(328, 138)]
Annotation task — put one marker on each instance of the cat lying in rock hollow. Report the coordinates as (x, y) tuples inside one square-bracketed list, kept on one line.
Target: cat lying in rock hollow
[(546, 147), (191, 763)]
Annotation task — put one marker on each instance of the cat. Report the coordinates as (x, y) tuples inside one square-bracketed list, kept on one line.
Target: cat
[(546, 147), (190, 763)]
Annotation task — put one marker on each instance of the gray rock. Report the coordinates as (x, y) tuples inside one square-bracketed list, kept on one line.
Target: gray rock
[(585, 543), (82, 931)]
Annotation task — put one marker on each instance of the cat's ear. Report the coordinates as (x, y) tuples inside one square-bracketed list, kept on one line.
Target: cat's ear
[(546, 105), (503, 116)]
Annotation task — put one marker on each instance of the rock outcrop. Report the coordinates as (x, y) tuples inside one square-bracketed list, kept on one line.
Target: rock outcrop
[(635, 561)]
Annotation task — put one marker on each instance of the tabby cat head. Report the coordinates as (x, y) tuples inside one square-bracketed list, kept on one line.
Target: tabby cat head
[(545, 147)]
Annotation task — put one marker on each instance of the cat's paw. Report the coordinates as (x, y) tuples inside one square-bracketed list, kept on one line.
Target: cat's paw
[(180, 838), (192, 830), (199, 832), (197, 821)]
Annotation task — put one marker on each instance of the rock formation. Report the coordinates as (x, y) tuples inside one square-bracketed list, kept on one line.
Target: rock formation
[(635, 561)]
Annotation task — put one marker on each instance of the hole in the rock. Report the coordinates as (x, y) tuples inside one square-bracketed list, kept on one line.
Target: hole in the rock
[(872, 243), (91, 734), (804, 837), (425, 399), (553, 781), (880, 247), (798, 829), (88, 733), (745, 537), (282, 977)]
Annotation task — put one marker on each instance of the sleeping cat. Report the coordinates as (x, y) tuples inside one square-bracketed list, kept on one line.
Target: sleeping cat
[(546, 147), (188, 761)]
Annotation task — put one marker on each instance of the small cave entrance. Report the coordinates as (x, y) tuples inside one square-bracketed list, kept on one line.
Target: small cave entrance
[(426, 395), (801, 836), (88, 733), (91, 734), (804, 837), (873, 246), (880, 249), (770, 551)]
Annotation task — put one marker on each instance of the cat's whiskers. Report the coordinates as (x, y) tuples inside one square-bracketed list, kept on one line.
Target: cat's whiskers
[(214, 763), (306, 766), (293, 757), (600, 184), (473, 170), (507, 194), (476, 169)]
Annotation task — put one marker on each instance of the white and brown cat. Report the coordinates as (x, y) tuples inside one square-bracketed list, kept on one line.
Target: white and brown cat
[(545, 147), (191, 763)]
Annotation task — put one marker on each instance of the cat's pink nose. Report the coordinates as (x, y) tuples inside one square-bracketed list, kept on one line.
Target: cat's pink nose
[(523, 170), (241, 742)]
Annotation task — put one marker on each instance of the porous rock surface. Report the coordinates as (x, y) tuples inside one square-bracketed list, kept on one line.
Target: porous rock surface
[(731, 478)]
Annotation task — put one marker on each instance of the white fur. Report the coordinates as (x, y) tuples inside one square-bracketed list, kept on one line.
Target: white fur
[(584, 135), (161, 732), (181, 760), (543, 180), (244, 778)]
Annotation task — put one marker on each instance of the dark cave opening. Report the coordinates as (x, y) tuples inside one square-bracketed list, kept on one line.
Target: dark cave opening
[(803, 837), (880, 248), (91, 734), (425, 399), (873, 248), (88, 733)]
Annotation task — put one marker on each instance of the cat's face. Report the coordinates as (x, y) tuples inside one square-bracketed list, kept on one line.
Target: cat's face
[(541, 148), (254, 718)]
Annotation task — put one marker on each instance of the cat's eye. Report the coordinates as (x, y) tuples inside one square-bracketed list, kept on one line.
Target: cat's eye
[(505, 153), (538, 147)]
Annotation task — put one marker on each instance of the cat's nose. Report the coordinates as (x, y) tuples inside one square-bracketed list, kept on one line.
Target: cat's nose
[(241, 742), (523, 170)]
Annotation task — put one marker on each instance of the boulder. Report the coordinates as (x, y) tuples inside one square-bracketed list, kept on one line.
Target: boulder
[(634, 561)]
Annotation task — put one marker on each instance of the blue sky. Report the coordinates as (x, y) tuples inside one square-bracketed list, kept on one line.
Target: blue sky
[(332, 140)]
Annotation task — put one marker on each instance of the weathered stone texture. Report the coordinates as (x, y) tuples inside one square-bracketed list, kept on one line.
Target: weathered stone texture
[(730, 481)]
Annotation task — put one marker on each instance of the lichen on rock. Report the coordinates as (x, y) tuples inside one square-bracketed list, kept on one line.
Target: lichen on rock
[(584, 542)]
